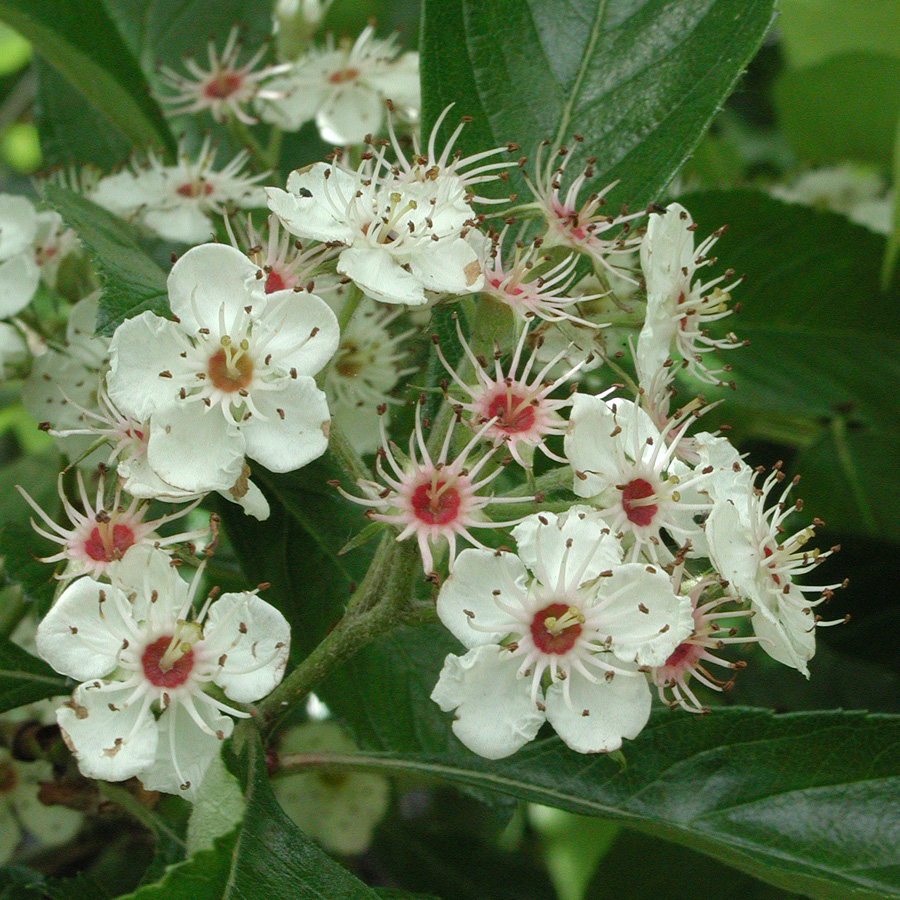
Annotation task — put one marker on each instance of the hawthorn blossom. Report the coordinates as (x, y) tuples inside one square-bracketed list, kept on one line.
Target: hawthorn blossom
[(102, 534), (748, 546), (557, 633), (514, 407), (679, 307), (146, 664), (53, 244), (296, 21), (433, 500), (13, 349), (344, 89), (178, 202), (19, 272), (231, 377), (399, 240), (225, 88)]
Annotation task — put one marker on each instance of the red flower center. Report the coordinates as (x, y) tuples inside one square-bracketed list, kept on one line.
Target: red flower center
[(438, 505), (768, 552), (223, 85), (274, 282), (512, 412), (195, 189), (343, 75), (230, 375), (638, 513), (172, 676), (547, 637), (107, 541), (684, 655)]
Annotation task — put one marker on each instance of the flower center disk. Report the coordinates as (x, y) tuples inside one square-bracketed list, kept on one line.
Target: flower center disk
[(436, 505), (108, 542), (161, 675), (228, 372), (556, 628), (512, 413), (643, 513)]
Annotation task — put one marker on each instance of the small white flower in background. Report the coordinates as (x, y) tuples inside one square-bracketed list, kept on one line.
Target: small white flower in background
[(518, 405), (749, 547), (225, 88), (338, 809), (13, 349), (399, 239), (180, 202), (366, 368), (231, 376), (295, 23), (565, 610), (21, 809), (19, 271), (53, 243), (433, 500), (345, 88), (679, 308), (628, 467), (102, 534), (590, 228), (146, 663)]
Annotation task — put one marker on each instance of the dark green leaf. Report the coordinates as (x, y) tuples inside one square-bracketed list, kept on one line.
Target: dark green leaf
[(640, 82), (805, 801), (132, 281), (19, 552), (80, 40), (25, 678)]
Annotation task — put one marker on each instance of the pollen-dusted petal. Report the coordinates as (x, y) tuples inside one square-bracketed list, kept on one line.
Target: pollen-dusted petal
[(644, 616), (110, 738), (450, 265), (495, 715), (349, 115), (184, 751), (141, 349), (19, 279), (295, 428), (544, 546), (667, 249), (305, 332), (469, 597), (83, 632), (381, 276), (253, 502), (51, 825), (315, 206), (206, 279), (249, 640), (615, 709), (185, 223), (195, 449)]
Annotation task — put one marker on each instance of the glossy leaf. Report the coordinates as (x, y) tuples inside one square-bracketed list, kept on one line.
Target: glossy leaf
[(640, 82), (26, 679)]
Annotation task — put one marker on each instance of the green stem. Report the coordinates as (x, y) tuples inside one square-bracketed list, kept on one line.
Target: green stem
[(375, 574), (245, 137), (549, 481)]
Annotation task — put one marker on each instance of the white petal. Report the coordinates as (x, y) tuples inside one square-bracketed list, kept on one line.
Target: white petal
[(51, 825), (543, 547), (300, 103), (666, 250), (253, 502), (655, 340), (731, 549), (144, 569), (645, 637), (380, 276), (291, 318), (449, 265), (295, 428), (140, 350), (194, 448), (19, 279), (601, 714), (400, 82), (126, 192), (206, 279), (479, 580), (13, 348), (254, 639), (787, 634), (81, 635), (184, 751), (18, 225), (315, 205), (185, 223), (109, 744), (139, 480), (495, 715), (350, 114)]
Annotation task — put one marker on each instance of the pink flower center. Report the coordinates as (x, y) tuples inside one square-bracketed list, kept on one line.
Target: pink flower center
[(684, 656), (274, 282), (547, 636), (230, 375), (512, 412), (223, 85), (643, 513), (512, 291), (195, 189), (166, 676), (343, 75), (437, 505), (769, 552), (108, 541)]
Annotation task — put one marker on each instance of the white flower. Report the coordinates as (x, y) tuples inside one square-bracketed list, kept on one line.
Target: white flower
[(19, 272), (748, 546), (13, 349), (582, 621), (231, 377), (21, 809), (338, 809), (53, 243), (400, 239), (679, 308), (146, 664), (344, 89), (177, 202)]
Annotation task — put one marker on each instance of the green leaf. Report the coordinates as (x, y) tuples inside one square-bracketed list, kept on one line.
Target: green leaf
[(640, 82), (805, 801), (80, 40), (843, 108), (25, 678), (19, 551), (132, 281)]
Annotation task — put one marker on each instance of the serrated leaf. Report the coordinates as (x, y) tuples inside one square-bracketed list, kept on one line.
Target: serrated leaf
[(132, 281), (805, 801), (80, 40), (26, 679), (641, 82)]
